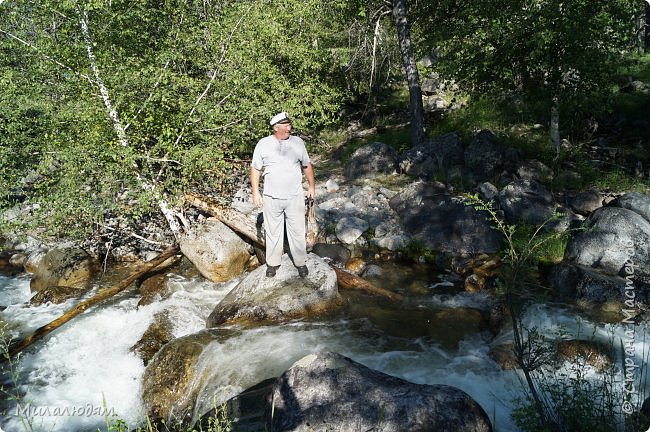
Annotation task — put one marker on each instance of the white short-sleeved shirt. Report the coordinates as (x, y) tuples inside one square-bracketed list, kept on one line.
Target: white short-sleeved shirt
[(281, 163)]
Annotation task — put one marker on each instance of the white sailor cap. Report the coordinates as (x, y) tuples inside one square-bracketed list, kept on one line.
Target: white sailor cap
[(282, 117)]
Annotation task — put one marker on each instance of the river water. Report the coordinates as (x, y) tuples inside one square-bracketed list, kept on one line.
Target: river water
[(85, 369)]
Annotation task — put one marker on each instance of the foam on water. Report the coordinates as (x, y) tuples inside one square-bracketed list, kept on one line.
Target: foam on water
[(13, 290), (87, 361)]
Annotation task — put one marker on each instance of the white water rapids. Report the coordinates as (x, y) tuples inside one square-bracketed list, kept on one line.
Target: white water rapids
[(86, 368)]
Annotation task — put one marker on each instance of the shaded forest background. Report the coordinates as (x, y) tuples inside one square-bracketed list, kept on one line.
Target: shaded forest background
[(113, 109)]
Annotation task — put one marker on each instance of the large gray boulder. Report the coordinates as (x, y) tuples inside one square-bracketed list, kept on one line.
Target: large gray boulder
[(526, 201), (579, 282), (635, 201), (62, 266), (485, 156), (372, 160), (260, 299), (442, 222), (613, 235), (215, 250), (330, 392), (610, 259), (432, 156), (586, 202)]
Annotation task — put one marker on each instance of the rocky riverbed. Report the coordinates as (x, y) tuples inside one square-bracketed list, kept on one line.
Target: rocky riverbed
[(372, 209)]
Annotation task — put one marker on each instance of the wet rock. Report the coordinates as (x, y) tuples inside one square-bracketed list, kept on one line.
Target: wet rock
[(63, 267), (55, 294), (613, 236), (259, 299), (18, 261), (327, 391), (585, 283), (172, 380), (586, 202), (246, 409), (504, 356), (356, 265), (442, 222), (336, 252), (372, 271), (372, 160), (12, 263), (349, 229), (428, 159), (595, 354), (475, 283), (498, 314), (644, 415), (153, 288), (216, 251), (485, 155), (159, 333), (526, 201)]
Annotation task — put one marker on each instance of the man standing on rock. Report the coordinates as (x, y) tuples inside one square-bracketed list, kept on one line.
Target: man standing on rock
[(281, 158)]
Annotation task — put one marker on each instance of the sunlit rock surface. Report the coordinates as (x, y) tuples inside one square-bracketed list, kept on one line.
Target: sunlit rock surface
[(327, 391), (260, 299)]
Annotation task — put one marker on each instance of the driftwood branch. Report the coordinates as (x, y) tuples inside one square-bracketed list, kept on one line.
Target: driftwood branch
[(252, 229), (17, 347)]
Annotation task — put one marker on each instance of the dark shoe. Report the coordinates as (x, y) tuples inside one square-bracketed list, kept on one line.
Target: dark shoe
[(303, 271), (270, 270)]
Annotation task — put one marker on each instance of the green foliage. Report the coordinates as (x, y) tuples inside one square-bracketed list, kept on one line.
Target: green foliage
[(416, 250), (538, 50), (577, 399), (549, 247), (219, 421), (192, 83)]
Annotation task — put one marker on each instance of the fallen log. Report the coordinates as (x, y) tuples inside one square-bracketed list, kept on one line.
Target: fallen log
[(349, 280), (236, 221), (252, 229), (17, 347)]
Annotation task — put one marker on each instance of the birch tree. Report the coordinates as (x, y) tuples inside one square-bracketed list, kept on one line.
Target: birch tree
[(119, 107), (416, 109)]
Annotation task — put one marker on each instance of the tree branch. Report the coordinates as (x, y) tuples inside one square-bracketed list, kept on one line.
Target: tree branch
[(47, 57)]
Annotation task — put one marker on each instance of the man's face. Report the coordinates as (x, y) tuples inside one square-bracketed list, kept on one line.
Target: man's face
[(282, 130)]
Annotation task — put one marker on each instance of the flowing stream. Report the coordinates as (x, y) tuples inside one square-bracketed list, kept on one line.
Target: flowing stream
[(85, 369)]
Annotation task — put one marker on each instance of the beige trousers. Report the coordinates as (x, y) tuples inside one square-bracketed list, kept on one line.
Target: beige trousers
[(276, 213)]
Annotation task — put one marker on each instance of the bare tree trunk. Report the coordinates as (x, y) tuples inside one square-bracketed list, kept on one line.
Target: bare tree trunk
[(555, 125), (647, 24), (112, 113), (640, 23), (416, 109)]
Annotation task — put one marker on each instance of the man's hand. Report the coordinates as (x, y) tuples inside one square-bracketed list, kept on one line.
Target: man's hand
[(257, 199)]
